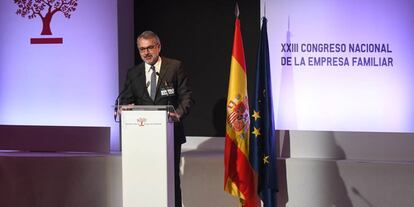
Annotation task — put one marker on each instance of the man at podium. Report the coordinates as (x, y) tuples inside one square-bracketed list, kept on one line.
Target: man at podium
[(160, 81)]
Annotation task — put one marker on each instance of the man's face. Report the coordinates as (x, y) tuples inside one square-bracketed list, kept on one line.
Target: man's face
[(149, 50)]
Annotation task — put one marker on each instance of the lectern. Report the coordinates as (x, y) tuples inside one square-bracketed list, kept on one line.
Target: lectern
[(147, 156)]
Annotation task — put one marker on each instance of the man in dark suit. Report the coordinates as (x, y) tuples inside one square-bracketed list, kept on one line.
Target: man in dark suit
[(160, 81)]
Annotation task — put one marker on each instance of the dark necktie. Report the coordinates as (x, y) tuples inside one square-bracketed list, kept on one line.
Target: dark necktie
[(153, 83)]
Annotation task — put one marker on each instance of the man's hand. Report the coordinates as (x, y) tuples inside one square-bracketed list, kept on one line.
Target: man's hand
[(125, 108), (174, 116)]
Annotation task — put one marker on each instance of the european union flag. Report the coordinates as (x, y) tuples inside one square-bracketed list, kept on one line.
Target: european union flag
[(262, 140)]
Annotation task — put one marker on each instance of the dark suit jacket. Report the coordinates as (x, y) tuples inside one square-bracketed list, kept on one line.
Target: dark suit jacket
[(171, 76)]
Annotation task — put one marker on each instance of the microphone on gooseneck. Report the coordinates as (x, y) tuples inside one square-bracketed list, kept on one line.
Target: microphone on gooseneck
[(166, 88), (116, 105), (168, 93)]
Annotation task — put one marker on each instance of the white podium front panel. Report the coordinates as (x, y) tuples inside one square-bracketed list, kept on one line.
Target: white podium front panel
[(147, 159)]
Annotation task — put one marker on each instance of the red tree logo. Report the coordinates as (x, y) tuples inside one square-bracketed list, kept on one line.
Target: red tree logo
[(45, 9)]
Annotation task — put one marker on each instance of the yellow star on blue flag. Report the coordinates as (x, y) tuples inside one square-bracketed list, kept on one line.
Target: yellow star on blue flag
[(266, 160), (256, 131), (256, 115)]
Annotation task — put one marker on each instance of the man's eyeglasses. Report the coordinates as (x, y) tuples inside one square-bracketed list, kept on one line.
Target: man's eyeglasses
[(149, 48)]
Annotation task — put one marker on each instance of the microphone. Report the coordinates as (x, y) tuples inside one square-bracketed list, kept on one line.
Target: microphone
[(168, 97), (168, 94), (166, 88), (127, 86), (175, 117), (116, 105)]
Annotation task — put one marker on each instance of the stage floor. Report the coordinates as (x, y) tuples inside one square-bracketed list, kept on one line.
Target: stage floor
[(48, 179)]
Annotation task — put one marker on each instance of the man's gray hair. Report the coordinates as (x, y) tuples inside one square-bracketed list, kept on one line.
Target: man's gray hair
[(148, 35)]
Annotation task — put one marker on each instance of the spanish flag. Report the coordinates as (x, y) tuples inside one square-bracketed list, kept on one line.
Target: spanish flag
[(239, 178)]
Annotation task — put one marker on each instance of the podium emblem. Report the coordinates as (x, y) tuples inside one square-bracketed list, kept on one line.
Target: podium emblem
[(141, 121)]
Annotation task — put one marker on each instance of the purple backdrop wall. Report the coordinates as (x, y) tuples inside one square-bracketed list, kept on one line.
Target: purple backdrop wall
[(69, 84)]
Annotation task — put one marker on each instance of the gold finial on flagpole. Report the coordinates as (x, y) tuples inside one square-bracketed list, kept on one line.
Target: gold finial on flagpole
[(237, 12)]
